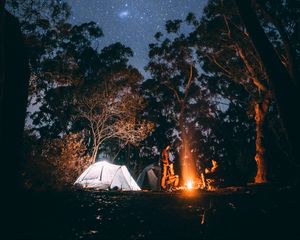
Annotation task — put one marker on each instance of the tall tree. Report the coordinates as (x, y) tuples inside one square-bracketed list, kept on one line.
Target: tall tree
[(14, 75), (75, 64), (284, 89), (174, 92), (226, 51)]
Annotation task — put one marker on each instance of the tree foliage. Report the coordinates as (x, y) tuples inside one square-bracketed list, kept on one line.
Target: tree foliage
[(111, 111), (54, 163), (178, 99), (208, 93), (69, 78)]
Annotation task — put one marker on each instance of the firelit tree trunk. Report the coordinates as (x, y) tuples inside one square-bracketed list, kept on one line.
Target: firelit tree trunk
[(261, 110), (187, 163), (183, 162), (184, 159)]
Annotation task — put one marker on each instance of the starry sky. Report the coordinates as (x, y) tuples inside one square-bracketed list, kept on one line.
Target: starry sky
[(133, 22)]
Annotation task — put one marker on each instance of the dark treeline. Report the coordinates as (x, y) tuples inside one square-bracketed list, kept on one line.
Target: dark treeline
[(208, 91)]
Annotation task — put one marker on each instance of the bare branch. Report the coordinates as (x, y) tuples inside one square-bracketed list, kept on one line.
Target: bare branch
[(112, 113)]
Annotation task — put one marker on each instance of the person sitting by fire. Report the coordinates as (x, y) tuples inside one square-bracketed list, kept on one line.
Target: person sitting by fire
[(211, 175), (213, 168), (169, 180)]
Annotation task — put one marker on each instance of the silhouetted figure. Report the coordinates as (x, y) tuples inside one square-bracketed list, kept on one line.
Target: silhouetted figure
[(168, 179)]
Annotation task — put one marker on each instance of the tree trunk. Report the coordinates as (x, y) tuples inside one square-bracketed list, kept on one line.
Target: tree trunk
[(187, 163), (14, 79), (183, 158), (261, 110), (95, 153), (285, 91), (2, 58)]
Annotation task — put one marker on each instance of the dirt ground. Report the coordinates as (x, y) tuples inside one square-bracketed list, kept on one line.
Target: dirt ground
[(253, 212)]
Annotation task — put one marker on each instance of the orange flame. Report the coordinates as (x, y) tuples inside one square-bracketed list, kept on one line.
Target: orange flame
[(188, 168), (189, 184)]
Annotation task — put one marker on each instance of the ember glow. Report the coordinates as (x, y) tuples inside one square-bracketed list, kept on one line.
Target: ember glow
[(189, 184), (188, 168)]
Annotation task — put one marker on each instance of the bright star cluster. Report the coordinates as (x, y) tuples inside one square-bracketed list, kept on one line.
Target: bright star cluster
[(133, 22)]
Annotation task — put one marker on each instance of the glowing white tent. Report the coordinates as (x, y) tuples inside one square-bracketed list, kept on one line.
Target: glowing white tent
[(104, 175)]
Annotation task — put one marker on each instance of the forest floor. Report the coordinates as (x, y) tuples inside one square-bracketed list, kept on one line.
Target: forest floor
[(252, 212)]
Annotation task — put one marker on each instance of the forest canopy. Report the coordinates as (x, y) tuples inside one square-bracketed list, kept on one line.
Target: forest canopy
[(206, 92)]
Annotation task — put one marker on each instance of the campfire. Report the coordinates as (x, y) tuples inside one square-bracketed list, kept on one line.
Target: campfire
[(188, 170), (191, 179), (189, 184), (193, 183)]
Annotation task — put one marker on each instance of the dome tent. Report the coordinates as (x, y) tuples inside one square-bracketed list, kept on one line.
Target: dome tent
[(106, 176), (150, 177)]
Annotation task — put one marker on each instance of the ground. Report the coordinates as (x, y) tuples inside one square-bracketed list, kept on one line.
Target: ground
[(253, 212)]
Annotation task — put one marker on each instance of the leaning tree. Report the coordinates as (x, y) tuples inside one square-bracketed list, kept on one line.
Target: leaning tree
[(226, 52)]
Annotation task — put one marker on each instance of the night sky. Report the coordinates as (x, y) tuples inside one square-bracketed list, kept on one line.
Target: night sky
[(133, 22)]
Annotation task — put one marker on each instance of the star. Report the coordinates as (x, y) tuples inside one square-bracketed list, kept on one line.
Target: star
[(133, 22), (124, 14)]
